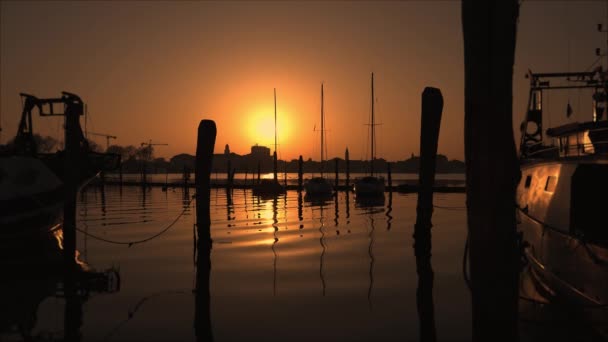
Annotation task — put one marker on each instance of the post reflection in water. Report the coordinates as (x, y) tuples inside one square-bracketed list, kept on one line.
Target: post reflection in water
[(323, 247), (389, 209), (276, 240), (202, 307), (353, 279)]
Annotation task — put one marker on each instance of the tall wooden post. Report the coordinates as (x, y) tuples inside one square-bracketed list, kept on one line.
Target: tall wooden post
[(346, 156), (389, 176), (492, 169), (259, 171), (204, 158), (228, 174), (120, 174), (337, 178), (300, 173), (73, 159), (432, 106)]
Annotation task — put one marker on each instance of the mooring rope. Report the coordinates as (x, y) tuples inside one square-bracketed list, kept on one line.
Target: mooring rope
[(131, 243)]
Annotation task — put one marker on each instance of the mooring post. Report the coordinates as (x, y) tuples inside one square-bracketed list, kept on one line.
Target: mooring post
[(259, 171), (389, 176), (228, 174), (300, 172), (204, 158), (432, 106), (73, 158), (347, 169), (492, 173), (336, 182), (120, 174)]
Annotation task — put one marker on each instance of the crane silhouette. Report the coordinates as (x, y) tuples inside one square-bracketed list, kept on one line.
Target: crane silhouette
[(107, 136), (149, 145)]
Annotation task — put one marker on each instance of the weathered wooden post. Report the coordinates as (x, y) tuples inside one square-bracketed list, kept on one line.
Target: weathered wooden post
[(73, 158), (300, 173), (432, 106), (204, 158), (120, 174), (389, 176), (347, 169), (337, 178), (259, 171), (228, 174), (492, 169)]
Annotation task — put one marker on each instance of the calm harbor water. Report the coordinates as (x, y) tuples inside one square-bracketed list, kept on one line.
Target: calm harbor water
[(282, 269)]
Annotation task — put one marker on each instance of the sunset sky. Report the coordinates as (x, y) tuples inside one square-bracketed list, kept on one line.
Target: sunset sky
[(153, 70)]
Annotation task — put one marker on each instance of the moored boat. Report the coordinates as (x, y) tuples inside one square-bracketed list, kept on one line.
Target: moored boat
[(371, 185), (32, 183), (271, 187), (319, 187), (564, 176)]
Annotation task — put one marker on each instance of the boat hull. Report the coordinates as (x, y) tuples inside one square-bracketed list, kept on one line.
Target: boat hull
[(570, 262), (369, 187), (31, 196), (318, 187)]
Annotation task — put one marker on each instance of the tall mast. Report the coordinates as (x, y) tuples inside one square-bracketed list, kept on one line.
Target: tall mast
[(275, 119), (322, 131), (373, 156), (275, 135)]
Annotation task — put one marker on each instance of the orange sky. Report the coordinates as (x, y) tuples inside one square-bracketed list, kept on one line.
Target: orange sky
[(153, 70)]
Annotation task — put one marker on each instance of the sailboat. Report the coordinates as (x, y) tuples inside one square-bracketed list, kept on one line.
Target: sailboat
[(319, 187), (271, 187), (370, 186)]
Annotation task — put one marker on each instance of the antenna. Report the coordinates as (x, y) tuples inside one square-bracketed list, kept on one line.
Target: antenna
[(600, 28)]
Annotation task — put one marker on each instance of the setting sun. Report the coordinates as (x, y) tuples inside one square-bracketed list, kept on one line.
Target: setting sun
[(261, 128)]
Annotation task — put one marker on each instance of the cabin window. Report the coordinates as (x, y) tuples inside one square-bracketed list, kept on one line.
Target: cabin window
[(587, 213), (528, 181), (550, 185)]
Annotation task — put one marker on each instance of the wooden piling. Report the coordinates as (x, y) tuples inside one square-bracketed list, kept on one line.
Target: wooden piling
[(73, 155), (259, 171), (204, 158), (120, 174), (492, 169), (336, 182), (389, 176), (73, 158), (300, 172), (347, 168), (228, 174), (432, 106)]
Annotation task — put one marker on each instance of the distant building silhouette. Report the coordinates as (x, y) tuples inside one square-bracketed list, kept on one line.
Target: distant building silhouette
[(260, 152), (227, 150)]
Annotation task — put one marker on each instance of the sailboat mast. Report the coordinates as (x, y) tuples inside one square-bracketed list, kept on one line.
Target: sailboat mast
[(322, 131), (373, 156), (275, 135)]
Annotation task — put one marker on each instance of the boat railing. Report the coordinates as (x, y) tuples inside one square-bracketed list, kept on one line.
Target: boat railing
[(576, 150)]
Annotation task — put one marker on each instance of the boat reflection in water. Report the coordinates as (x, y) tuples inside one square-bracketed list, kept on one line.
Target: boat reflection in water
[(34, 270)]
